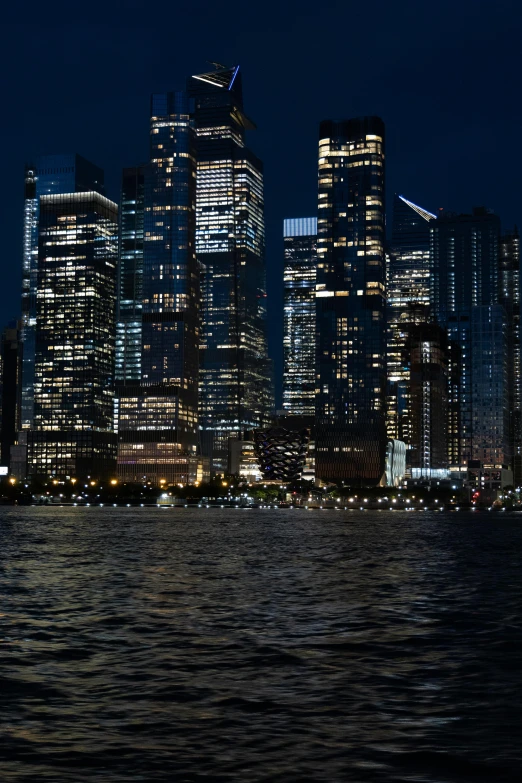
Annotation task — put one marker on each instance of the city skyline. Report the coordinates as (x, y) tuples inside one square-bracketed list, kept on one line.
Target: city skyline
[(438, 136)]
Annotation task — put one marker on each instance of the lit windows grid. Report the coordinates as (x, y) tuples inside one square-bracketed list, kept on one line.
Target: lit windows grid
[(299, 321), (350, 292)]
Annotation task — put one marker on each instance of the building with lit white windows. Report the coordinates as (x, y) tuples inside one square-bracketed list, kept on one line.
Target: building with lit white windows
[(157, 416), (350, 300), (72, 430), (236, 386), (300, 263)]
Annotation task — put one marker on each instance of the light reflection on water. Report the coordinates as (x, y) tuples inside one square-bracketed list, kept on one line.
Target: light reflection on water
[(188, 644)]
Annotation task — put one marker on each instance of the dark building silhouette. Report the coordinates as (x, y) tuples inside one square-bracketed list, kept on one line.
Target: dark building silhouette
[(158, 416), (236, 387), (300, 249), (72, 432), (11, 361), (48, 175), (350, 300)]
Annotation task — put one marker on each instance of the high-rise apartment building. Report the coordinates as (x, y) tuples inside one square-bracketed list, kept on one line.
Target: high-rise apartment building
[(465, 251), (300, 249), (49, 175), (130, 276), (465, 275), (158, 412), (428, 387), (236, 388), (72, 432), (489, 437), (350, 299), (408, 288), (509, 298)]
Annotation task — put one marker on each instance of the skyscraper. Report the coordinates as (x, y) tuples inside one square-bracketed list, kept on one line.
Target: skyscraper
[(489, 437), (408, 287), (350, 298), (509, 298), (300, 248), (465, 275), (10, 364), (50, 174), (72, 432), (236, 391), (158, 415), (427, 389), (130, 276)]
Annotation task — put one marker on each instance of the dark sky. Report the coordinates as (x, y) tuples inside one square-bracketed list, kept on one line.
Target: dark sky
[(445, 77)]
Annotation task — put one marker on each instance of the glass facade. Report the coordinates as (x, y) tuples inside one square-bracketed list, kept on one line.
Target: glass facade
[(236, 387), (300, 248), (408, 288), (130, 276), (428, 370), (72, 433), (50, 174), (489, 441), (509, 298), (158, 417), (464, 252), (350, 302)]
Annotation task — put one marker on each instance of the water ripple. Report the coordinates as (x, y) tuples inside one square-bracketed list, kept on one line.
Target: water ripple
[(188, 645)]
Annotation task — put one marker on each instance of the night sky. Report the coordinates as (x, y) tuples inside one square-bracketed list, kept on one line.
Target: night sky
[(445, 77)]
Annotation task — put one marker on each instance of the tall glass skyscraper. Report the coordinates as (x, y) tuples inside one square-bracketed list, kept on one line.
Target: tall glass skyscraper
[(509, 298), (300, 248), (350, 298), (72, 432), (489, 441), (158, 417), (130, 276), (428, 363), (49, 175), (408, 287), (236, 388), (465, 275)]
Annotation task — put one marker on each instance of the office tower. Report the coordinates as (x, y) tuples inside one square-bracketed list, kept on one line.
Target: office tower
[(72, 433), (300, 248), (465, 250), (236, 388), (11, 367), (489, 387), (428, 370), (509, 298), (350, 300), (158, 416), (130, 276), (408, 287), (465, 265), (49, 175)]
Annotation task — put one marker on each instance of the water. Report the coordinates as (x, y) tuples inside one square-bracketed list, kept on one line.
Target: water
[(255, 645)]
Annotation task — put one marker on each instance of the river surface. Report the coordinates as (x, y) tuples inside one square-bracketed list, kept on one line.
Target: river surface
[(259, 645)]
